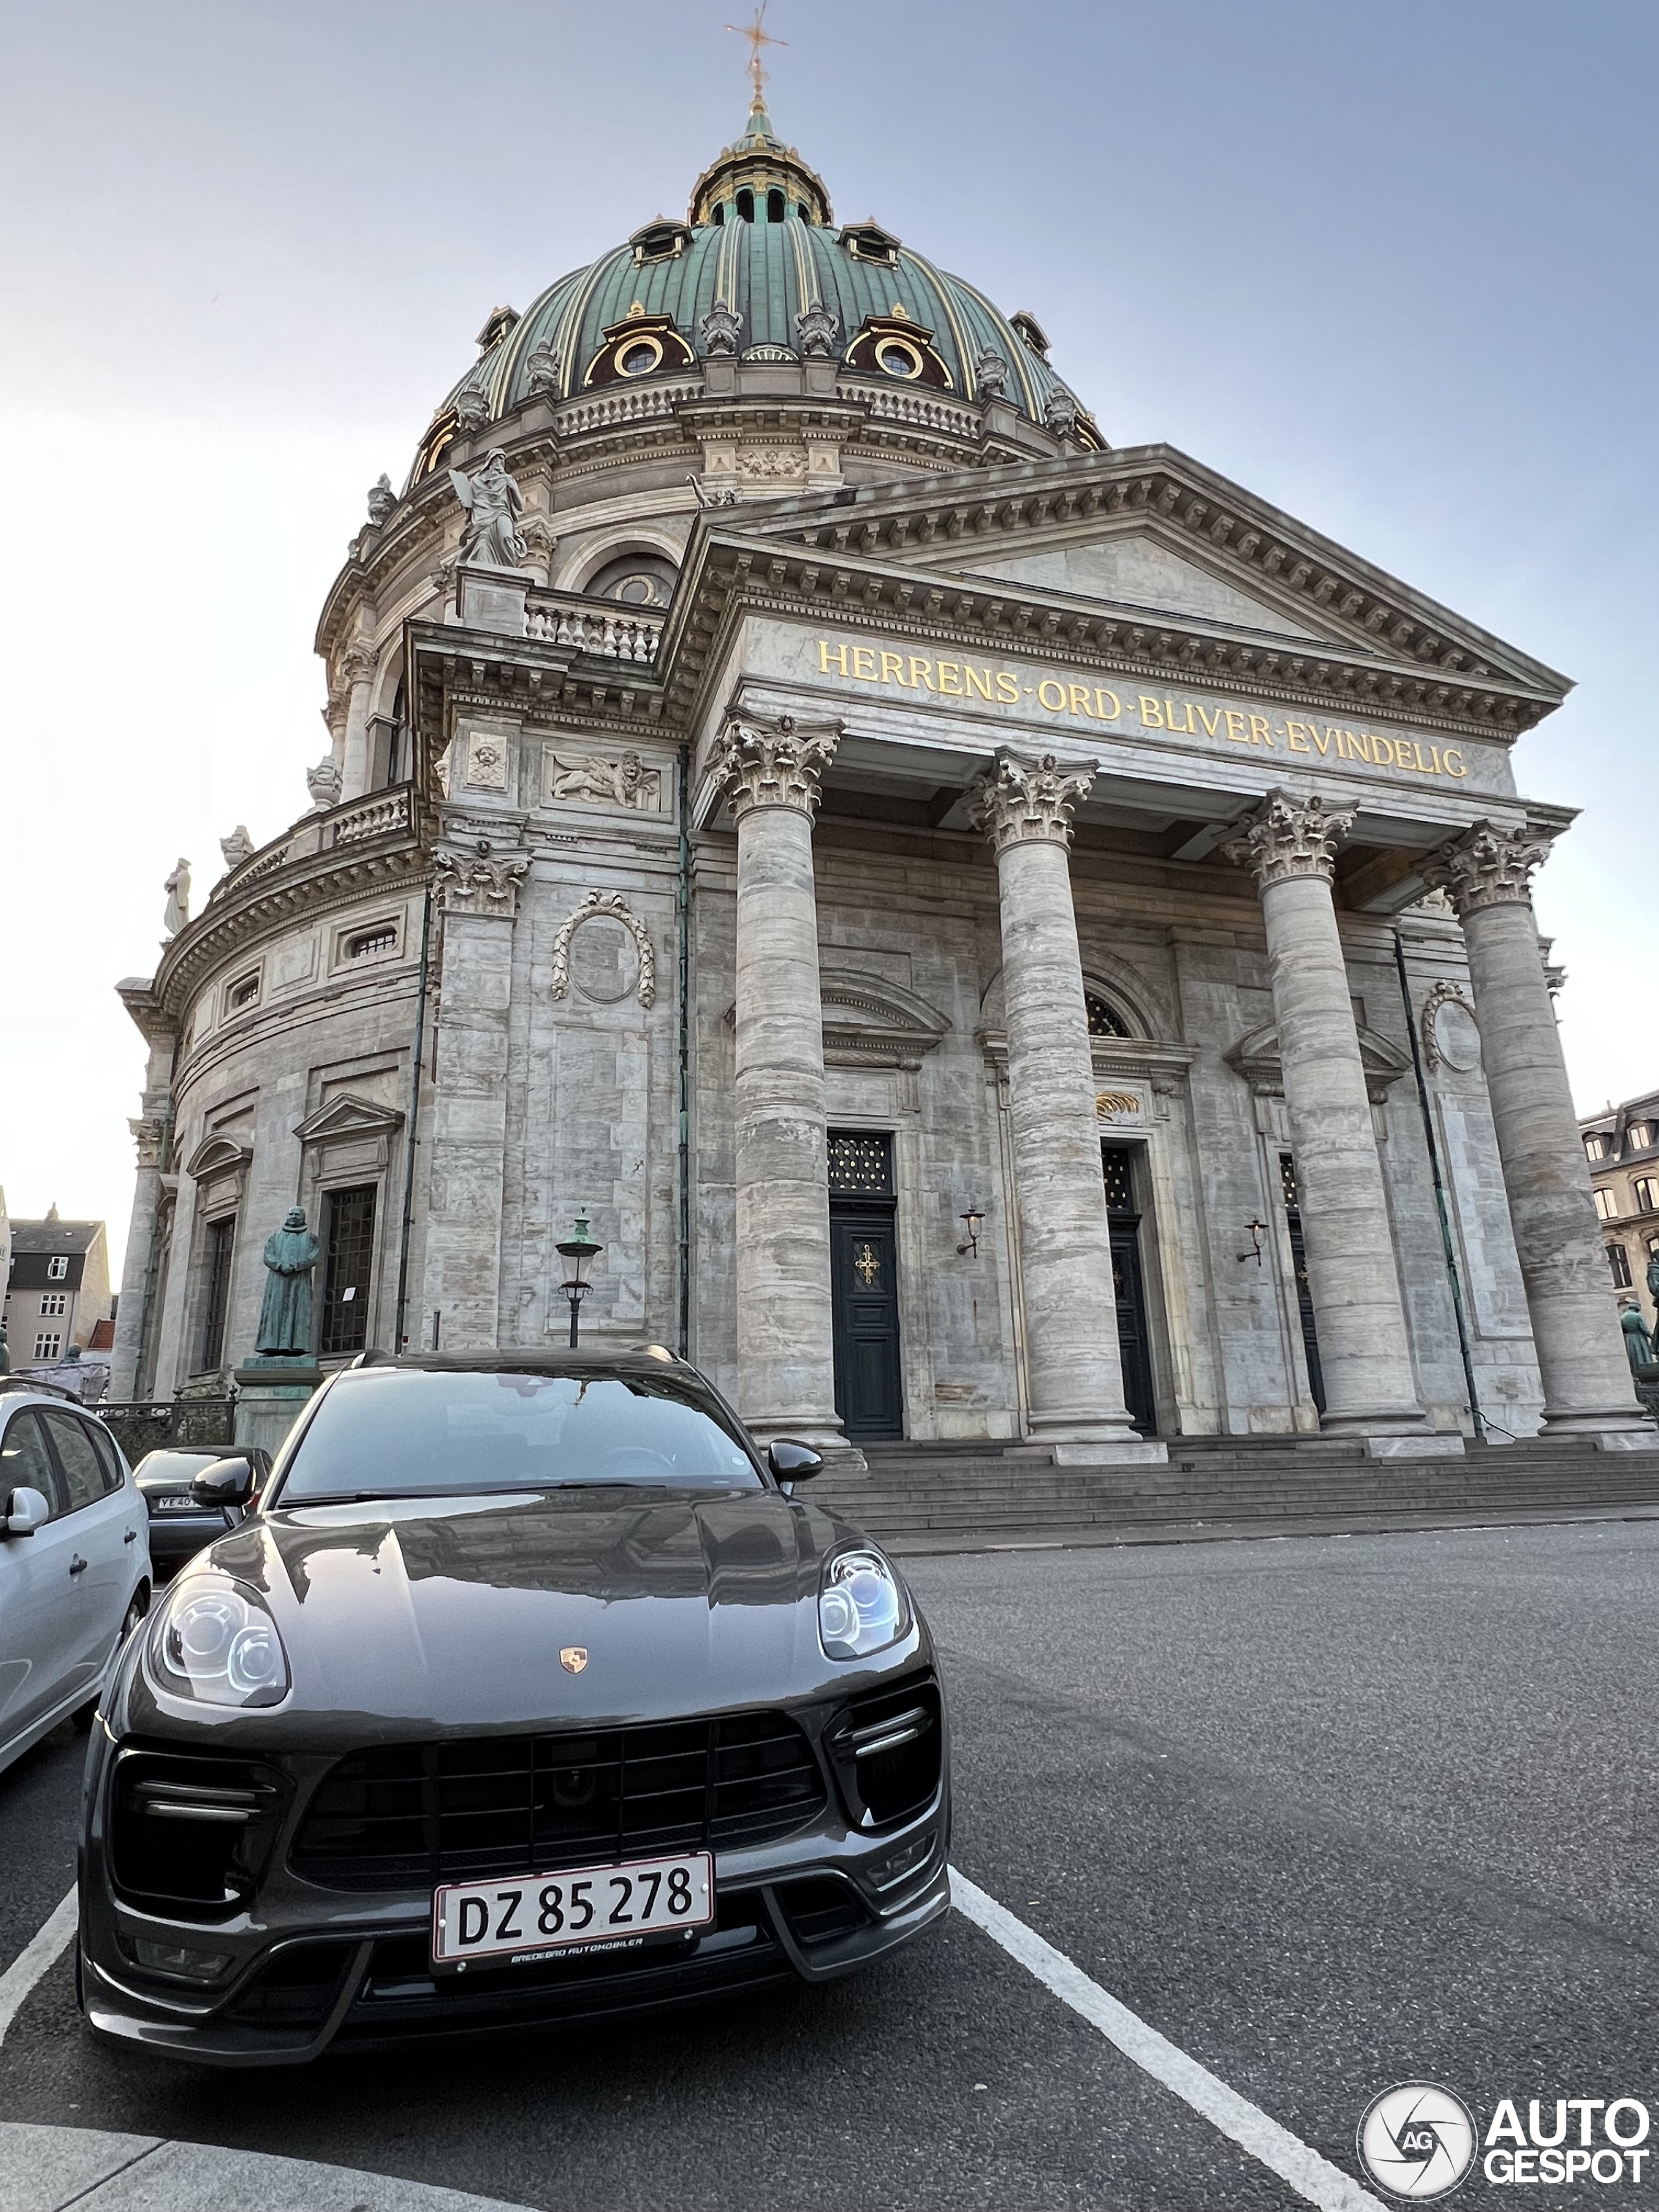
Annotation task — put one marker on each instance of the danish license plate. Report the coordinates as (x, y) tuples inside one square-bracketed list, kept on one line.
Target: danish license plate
[(545, 1914)]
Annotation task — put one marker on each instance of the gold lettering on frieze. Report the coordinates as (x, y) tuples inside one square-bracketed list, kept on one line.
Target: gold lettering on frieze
[(1099, 704)]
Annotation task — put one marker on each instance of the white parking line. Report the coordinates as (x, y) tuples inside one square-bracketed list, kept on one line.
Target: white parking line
[(32, 1961), (1247, 2125), (1312, 2177)]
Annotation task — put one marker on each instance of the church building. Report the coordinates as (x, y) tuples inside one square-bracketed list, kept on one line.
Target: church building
[(1002, 936)]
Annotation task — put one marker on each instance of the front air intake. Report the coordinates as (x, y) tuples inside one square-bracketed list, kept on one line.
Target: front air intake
[(887, 1751), (190, 1837)]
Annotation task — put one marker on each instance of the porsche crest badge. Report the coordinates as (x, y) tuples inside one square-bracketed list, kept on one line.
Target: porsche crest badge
[(573, 1658)]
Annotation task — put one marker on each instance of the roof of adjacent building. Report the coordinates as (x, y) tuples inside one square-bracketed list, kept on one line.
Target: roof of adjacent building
[(51, 1236), (766, 271)]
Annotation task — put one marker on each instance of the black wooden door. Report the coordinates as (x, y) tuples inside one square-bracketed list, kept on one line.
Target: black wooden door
[(1129, 1290), (864, 1280)]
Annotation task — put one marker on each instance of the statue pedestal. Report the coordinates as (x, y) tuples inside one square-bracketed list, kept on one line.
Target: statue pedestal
[(269, 1396)]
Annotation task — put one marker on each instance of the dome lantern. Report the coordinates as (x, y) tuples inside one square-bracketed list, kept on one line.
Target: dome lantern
[(759, 180)]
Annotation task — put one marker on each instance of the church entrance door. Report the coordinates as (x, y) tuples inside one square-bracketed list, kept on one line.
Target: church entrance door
[(1129, 1289), (864, 1286)]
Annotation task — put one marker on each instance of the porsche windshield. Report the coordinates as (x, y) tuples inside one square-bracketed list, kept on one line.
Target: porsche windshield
[(409, 1432)]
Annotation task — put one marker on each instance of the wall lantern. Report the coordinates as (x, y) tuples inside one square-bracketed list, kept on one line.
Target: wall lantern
[(1253, 1230), (580, 1251), (971, 1219)]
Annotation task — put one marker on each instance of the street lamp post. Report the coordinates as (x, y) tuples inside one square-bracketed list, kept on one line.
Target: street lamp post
[(580, 1251)]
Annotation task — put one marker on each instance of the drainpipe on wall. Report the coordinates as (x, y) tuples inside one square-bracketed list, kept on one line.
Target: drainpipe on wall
[(684, 794), (413, 1117), (142, 1353)]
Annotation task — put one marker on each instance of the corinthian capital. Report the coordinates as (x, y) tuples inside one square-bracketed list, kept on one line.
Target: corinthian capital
[(1488, 867), (1289, 836), (486, 884), (1018, 800), (150, 1137), (358, 663), (774, 764)]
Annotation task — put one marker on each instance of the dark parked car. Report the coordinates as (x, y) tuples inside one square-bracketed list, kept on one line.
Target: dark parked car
[(530, 1692), (181, 1523)]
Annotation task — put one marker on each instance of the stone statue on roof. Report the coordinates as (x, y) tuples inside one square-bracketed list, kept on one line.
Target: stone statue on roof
[(285, 1316), (177, 887), (494, 503)]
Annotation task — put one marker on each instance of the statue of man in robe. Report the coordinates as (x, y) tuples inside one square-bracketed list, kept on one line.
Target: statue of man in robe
[(177, 887), (1638, 1345), (285, 1316), (493, 502)]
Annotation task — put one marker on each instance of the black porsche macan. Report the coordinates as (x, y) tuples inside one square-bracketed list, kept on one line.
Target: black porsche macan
[(527, 1692)]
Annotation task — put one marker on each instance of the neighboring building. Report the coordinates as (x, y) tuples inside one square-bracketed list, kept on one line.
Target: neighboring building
[(924, 881), (1622, 1148), (57, 1289)]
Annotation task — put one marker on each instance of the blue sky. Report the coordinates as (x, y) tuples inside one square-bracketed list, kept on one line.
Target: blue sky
[(1393, 269)]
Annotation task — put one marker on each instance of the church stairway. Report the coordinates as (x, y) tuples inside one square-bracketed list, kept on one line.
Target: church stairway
[(976, 1496)]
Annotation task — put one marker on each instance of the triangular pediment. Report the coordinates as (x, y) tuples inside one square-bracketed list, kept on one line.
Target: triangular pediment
[(1143, 547), (1257, 1058), (348, 1116), (1133, 569), (217, 1155)]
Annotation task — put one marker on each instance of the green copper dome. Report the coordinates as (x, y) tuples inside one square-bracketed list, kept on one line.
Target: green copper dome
[(761, 271)]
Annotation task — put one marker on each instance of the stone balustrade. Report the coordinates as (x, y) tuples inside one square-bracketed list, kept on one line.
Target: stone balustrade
[(598, 626)]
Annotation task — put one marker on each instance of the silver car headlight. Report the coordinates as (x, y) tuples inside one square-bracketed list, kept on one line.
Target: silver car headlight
[(216, 1640), (862, 1606)]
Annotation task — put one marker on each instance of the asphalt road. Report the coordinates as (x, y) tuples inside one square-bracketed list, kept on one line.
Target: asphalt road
[(1328, 1813)]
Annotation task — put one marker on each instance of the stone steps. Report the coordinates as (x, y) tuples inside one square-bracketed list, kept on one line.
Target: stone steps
[(951, 1497)]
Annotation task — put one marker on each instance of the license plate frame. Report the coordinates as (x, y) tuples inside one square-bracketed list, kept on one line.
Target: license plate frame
[(516, 1908)]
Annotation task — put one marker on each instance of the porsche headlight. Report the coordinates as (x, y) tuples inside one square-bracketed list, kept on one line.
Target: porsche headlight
[(862, 1606), (215, 1641)]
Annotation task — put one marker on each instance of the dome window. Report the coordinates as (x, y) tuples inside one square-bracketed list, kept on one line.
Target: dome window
[(498, 323), (640, 358), (776, 206), (640, 345), (634, 580), (717, 213), (868, 241), (661, 240), (894, 345), (898, 358), (1028, 327), (746, 205)]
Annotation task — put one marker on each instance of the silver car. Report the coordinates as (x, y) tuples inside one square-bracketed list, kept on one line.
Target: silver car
[(75, 1570)]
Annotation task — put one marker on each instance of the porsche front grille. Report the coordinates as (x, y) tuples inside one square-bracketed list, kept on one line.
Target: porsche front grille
[(407, 1814)]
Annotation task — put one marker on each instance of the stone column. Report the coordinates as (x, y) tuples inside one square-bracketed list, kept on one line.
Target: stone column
[(771, 775), (138, 1284), (478, 899), (1575, 1322), (1074, 1374), (357, 665), (1363, 1349)]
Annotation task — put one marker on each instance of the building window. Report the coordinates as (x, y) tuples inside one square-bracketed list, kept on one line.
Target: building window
[(1595, 1147), (52, 1303), (1644, 1187), (1618, 1260), (1639, 1136), (57, 1269), (220, 1240), (47, 1343), (1604, 1206), (367, 942), (860, 1166), (349, 1245), (243, 994), (1104, 1020)]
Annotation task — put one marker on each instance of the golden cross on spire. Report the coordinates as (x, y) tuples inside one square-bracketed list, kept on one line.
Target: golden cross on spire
[(757, 36)]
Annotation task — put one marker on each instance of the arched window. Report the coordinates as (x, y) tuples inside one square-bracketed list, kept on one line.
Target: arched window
[(1104, 1020), (774, 205), (719, 214), (746, 205)]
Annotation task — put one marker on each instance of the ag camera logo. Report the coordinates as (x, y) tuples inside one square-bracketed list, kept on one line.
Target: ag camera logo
[(1417, 2140)]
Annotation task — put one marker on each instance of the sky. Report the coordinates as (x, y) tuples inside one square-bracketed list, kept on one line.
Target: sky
[(1391, 269)]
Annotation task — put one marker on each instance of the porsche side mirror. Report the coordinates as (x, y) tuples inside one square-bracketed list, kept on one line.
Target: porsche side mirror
[(227, 1482), (792, 1463), (26, 1511)]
